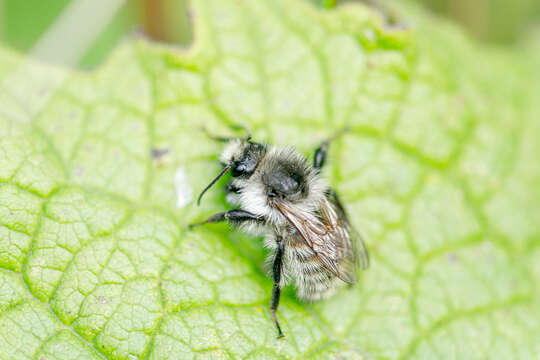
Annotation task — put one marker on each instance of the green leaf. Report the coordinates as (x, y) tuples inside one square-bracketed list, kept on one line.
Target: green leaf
[(440, 173)]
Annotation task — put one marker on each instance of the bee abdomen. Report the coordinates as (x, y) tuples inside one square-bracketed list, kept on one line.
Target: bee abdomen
[(313, 288), (313, 269), (303, 254), (313, 280)]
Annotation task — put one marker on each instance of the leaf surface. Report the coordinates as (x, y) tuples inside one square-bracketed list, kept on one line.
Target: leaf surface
[(440, 172)]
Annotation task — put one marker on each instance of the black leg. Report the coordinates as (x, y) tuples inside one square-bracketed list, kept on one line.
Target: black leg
[(230, 188), (321, 151), (234, 217), (320, 155), (332, 193), (276, 277)]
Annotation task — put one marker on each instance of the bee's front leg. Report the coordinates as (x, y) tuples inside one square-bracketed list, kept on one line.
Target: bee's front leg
[(320, 155), (234, 217), (233, 194), (230, 188)]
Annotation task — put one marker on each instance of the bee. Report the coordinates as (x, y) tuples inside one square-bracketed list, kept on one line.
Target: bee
[(279, 194)]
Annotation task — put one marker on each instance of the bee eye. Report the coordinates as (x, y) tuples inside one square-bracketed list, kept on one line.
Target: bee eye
[(271, 193), (238, 170)]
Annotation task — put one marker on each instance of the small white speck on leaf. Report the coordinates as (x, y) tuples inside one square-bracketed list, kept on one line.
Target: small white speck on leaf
[(184, 192), (369, 34)]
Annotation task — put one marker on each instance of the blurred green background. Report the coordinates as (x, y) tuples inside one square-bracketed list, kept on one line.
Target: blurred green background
[(24, 22)]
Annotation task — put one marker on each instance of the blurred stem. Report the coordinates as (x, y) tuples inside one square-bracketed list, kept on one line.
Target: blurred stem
[(473, 14), (167, 20), (2, 20), (329, 4), (500, 21), (126, 18)]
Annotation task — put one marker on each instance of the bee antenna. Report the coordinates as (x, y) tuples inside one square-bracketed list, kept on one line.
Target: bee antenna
[(225, 169), (243, 127)]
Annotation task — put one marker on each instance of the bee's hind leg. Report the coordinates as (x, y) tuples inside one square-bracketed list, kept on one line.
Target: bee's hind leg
[(276, 277)]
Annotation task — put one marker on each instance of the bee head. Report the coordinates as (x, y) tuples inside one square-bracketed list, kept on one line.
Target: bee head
[(241, 156)]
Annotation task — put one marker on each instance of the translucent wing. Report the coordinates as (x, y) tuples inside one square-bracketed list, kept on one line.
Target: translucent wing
[(359, 249), (331, 237)]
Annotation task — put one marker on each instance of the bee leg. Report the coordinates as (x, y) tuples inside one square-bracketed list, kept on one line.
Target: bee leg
[(320, 154), (216, 137), (235, 217), (230, 188), (276, 277), (331, 192), (321, 151), (233, 194)]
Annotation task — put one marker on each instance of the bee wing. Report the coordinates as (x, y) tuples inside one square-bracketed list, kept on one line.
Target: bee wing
[(332, 239), (358, 246), (351, 250)]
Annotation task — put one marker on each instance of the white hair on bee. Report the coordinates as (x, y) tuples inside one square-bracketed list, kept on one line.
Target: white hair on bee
[(232, 150)]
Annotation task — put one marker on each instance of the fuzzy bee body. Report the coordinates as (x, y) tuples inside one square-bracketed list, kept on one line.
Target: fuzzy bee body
[(302, 266), (281, 196), (312, 280)]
